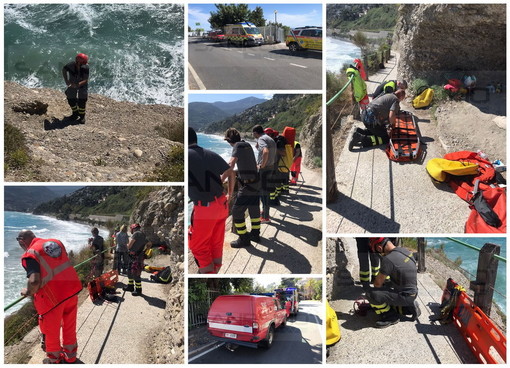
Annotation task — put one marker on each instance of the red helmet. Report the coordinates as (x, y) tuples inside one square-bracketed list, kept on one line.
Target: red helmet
[(134, 226), (82, 58), (373, 242)]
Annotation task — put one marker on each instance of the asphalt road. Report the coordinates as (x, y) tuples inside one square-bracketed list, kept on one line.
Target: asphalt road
[(219, 66), (299, 342)]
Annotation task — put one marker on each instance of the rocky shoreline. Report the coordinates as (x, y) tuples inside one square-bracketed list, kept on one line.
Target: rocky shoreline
[(120, 141)]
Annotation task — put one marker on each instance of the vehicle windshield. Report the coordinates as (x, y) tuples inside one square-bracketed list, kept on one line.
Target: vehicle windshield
[(252, 30)]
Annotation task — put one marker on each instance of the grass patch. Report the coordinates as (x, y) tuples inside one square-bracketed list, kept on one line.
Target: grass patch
[(15, 151), (18, 324), (173, 132), (172, 169), (317, 162)]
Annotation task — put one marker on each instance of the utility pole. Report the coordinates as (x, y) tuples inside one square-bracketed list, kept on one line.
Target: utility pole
[(275, 26)]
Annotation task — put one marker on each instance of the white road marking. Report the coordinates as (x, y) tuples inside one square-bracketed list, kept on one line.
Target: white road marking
[(196, 77), (301, 66), (251, 54), (240, 52), (269, 58), (205, 352)]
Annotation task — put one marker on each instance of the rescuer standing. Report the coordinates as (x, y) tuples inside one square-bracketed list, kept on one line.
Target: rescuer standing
[(54, 284), (76, 77)]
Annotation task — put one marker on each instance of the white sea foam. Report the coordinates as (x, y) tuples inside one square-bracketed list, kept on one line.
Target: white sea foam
[(17, 13)]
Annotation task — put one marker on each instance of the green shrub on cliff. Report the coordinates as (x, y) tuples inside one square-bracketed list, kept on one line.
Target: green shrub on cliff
[(15, 151), (172, 169)]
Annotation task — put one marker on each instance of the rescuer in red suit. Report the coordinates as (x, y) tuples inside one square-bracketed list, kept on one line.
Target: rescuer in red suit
[(54, 285)]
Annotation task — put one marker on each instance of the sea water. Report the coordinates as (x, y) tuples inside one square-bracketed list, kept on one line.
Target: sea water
[(340, 53), (469, 258), (217, 144), (135, 50), (73, 235)]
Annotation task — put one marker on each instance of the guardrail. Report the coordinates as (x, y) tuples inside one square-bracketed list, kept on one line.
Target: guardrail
[(341, 91), (484, 283)]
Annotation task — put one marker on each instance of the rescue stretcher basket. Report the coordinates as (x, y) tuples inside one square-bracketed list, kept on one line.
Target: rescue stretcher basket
[(405, 137)]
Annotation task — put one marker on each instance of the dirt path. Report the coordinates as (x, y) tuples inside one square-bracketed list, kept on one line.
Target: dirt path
[(291, 243), (382, 196)]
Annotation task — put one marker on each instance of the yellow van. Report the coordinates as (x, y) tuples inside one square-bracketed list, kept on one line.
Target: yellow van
[(244, 33), (304, 38)]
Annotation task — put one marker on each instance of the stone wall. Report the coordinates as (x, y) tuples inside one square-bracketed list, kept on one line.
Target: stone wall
[(434, 39)]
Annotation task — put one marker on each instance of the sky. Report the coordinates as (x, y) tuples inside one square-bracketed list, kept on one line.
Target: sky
[(222, 97), (291, 15)]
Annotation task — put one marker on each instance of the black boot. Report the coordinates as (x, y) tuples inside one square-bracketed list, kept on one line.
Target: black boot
[(243, 241), (356, 141), (255, 236), (137, 292), (388, 319), (130, 287), (415, 311), (82, 119)]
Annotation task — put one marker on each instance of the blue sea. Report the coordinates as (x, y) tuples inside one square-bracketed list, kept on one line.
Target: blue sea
[(135, 50), (217, 144), (339, 53), (470, 260), (73, 235)]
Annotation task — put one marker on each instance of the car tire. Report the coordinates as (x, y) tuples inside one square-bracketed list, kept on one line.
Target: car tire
[(284, 322), (245, 43), (268, 341), (293, 47)]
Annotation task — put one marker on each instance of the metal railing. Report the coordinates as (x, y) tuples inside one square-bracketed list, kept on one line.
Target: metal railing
[(484, 281), (341, 91), (197, 310)]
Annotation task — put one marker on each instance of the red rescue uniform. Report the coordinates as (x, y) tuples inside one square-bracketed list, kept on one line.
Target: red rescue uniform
[(207, 232), (56, 301)]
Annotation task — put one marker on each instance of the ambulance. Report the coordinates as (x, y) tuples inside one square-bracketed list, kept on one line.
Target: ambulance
[(244, 33), (304, 38)]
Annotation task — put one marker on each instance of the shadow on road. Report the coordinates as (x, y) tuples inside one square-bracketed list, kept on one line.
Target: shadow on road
[(363, 216), (281, 253), (300, 54)]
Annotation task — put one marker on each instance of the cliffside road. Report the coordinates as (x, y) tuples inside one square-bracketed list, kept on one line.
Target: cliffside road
[(119, 142), (219, 66), (291, 243), (118, 333), (419, 342), (381, 196), (300, 342)]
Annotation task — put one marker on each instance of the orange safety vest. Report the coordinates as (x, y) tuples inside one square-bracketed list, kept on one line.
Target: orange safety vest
[(59, 280)]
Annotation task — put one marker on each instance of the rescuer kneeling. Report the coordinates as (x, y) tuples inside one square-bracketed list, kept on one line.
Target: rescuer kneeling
[(398, 298)]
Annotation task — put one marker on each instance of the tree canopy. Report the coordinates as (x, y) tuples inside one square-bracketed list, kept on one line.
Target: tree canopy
[(235, 13)]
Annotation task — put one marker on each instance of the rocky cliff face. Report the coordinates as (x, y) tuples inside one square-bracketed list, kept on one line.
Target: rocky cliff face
[(434, 39), (311, 140), (119, 142), (161, 216)]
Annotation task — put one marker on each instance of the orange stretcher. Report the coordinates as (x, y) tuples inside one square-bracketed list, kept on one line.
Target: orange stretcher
[(484, 338), (404, 144), (98, 286)]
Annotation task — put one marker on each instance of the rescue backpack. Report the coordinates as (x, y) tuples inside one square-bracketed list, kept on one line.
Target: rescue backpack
[(424, 98), (162, 277)]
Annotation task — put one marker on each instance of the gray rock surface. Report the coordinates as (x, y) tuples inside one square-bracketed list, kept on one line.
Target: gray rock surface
[(311, 139), (434, 38)]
